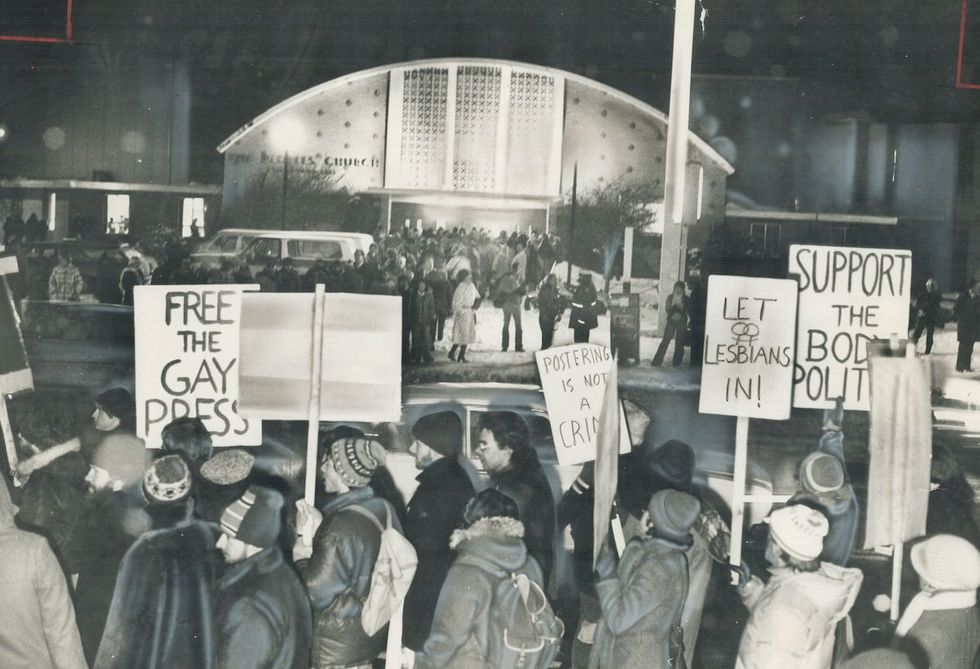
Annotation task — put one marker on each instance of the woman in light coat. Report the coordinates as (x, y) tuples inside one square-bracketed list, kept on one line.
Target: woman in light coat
[(465, 301)]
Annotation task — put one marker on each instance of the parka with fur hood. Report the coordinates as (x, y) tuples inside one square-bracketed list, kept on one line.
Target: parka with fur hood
[(464, 615)]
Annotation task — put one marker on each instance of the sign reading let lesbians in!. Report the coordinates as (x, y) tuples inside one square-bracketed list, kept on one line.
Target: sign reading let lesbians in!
[(848, 297), (748, 347), (187, 361)]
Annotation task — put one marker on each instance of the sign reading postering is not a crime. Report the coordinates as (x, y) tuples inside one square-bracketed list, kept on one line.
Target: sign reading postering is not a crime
[(848, 297), (187, 356), (749, 330)]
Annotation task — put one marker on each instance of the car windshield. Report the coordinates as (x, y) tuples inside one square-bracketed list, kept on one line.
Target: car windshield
[(222, 244)]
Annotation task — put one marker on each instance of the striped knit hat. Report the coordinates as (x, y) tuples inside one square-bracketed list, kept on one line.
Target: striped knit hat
[(254, 518), (356, 459)]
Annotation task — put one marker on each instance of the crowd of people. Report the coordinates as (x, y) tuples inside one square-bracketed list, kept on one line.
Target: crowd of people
[(188, 556)]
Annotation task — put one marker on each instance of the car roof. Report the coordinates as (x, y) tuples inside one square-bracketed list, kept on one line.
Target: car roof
[(477, 394)]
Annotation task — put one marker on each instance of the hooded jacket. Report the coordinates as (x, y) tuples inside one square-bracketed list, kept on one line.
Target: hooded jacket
[(537, 508), (641, 605), (464, 615), (160, 615), (37, 620), (338, 579), (262, 615), (792, 618)]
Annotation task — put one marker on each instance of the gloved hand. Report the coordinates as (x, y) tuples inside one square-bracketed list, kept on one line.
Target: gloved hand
[(743, 573), (606, 567)]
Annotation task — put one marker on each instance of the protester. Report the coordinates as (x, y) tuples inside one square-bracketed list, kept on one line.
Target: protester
[(952, 503), (114, 443), (697, 312), (927, 306), (446, 483), (130, 277), (792, 617), (550, 309), (190, 437), (584, 316), (335, 551), (421, 315), (37, 619), (287, 279), (967, 312), (508, 297), (642, 599), (53, 499), (675, 328), (824, 486), (941, 625), (466, 300), (161, 609), (65, 283), (512, 463), (261, 610), (474, 625), (266, 277), (438, 282)]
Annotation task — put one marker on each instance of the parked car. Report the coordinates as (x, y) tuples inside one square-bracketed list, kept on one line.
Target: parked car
[(257, 247)]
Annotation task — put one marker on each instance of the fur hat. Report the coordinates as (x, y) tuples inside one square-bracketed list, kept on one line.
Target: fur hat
[(254, 517), (799, 530), (356, 459), (229, 466), (442, 432), (673, 513), (123, 456), (821, 473), (674, 463), (168, 480), (947, 562)]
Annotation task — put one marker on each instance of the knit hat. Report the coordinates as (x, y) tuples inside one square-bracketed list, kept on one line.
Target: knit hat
[(442, 432), (123, 456), (490, 503), (821, 473), (228, 466), (799, 530), (673, 513), (947, 562), (168, 480), (119, 403), (674, 463), (254, 518), (356, 459)]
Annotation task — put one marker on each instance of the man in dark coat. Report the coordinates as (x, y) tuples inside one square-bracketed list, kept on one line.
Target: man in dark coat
[(130, 277), (966, 308), (585, 309), (927, 306), (446, 484), (261, 611), (442, 296), (421, 316), (508, 296), (549, 309), (335, 552), (161, 609)]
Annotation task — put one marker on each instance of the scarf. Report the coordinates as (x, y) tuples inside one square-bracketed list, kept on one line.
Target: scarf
[(933, 601)]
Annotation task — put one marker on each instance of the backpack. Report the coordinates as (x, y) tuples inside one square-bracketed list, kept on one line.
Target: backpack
[(391, 575), (524, 631)]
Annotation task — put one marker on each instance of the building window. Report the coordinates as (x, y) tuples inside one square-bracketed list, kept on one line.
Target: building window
[(117, 214), (192, 218)]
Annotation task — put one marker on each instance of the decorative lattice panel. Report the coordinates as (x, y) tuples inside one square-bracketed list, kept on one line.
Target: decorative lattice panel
[(477, 116), (531, 122), (423, 127)]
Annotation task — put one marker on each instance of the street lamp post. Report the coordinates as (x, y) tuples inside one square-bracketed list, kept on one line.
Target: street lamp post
[(285, 188)]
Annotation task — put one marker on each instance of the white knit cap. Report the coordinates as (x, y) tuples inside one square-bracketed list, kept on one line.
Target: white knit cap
[(947, 562), (799, 530)]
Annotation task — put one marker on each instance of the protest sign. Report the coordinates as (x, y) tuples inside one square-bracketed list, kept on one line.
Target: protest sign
[(749, 334), (848, 296), (361, 357), (573, 379), (15, 371), (187, 358)]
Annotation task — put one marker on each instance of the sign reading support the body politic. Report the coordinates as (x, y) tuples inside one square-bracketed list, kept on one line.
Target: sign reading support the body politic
[(187, 356), (848, 297), (573, 379), (748, 347)]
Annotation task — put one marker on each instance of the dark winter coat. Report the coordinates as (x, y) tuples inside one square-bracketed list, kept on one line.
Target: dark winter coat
[(966, 310), (421, 313), (537, 507), (928, 304), (585, 308), (461, 630), (262, 615), (436, 510), (946, 639), (338, 579), (442, 293), (549, 302), (37, 620), (640, 606), (54, 503), (161, 609)]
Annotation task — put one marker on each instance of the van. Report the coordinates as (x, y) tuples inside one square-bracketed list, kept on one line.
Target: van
[(226, 244), (303, 247)]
